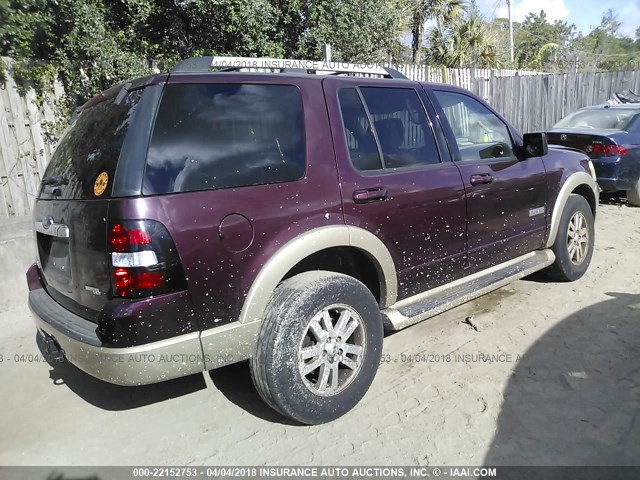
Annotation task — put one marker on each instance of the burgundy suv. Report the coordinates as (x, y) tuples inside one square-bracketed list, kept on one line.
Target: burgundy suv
[(195, 219)]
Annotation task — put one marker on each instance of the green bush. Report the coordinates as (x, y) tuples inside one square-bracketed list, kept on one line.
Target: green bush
[(94, 44)]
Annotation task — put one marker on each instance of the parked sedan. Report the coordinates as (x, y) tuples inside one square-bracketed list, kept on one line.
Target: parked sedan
[(610, 135)]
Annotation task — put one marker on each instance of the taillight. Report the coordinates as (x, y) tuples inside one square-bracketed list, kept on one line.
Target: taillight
[(121, 239), (608, 150), (144, 260), (126, 282)]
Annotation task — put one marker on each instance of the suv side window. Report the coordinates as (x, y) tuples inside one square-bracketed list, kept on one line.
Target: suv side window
[(209, 136), (479, 133), (403, 132), (363, 149), (402, 127)]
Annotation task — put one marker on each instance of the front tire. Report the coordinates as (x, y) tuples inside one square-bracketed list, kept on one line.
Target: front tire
[(574, 242), (633, 195), (319, 346)]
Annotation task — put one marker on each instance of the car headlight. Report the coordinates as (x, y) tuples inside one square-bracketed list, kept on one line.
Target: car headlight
[(592, 170)]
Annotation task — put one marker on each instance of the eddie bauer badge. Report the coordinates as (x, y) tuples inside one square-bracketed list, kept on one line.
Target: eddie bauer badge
[(100, 185)]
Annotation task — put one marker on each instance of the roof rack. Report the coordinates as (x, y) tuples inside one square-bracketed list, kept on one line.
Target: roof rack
[(233, 64)]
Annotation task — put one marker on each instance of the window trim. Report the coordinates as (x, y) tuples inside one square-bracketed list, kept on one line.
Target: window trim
[(155, 123), (364, 173), (436, 127), (409, 169), (129, 176), (373, 130), (386, 170)]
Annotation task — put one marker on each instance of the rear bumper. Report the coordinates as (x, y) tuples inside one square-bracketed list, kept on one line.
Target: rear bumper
[(617, 173), (75, 338), (615, 184), (143, 364)]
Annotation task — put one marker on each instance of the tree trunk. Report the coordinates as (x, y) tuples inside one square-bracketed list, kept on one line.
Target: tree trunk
[(417, 33)]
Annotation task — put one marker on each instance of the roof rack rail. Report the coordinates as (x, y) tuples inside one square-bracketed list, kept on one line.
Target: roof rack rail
[(232, 64)]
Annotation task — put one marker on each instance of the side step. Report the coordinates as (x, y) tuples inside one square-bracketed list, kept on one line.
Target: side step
[(432, 302)]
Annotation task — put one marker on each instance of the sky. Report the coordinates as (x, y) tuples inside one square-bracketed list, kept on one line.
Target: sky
[(585, 14)]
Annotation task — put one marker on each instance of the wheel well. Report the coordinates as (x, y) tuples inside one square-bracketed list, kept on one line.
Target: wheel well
[(347, 260), (586, 192)]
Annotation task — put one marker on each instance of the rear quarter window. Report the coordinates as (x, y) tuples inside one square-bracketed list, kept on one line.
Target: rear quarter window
[(210, 136)]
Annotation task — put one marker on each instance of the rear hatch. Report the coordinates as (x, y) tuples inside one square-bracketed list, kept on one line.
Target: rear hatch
[(71, 211)]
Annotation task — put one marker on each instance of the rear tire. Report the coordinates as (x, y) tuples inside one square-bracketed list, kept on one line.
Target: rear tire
[(633, 195), (574, 242), (319, 346)]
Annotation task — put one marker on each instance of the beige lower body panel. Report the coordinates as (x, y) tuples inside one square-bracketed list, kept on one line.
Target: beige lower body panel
[(229, 344), (140, 365), (199, 351), (159, 361)]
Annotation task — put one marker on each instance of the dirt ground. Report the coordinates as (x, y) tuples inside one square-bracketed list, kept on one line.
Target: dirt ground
[(551, 376)]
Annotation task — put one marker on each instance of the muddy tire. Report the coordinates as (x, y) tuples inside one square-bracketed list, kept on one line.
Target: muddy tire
[(574, 242), (319, 346), (633, 195)]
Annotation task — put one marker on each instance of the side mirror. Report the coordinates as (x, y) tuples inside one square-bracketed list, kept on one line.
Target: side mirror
[(535, 145)]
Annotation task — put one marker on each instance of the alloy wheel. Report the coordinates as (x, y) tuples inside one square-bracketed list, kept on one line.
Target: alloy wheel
[(331, 351), (578, 238)]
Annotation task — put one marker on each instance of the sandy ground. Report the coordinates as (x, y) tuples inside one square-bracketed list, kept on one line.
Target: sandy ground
[(563, 387)]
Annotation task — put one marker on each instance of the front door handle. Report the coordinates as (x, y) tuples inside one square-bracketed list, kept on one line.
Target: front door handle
[(370, 195), (481, 179)]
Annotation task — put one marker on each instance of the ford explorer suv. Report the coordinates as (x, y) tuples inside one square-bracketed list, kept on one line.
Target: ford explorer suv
[(288, 216)]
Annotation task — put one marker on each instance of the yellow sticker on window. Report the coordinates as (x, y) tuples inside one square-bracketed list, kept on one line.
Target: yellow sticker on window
[(100, 185)]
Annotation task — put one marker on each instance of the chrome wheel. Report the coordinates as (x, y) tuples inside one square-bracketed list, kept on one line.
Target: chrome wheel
[(578, 238), (331, 351)]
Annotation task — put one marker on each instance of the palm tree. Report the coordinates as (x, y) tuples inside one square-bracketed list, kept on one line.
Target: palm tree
[(463, 43), (537, 63), (441, 11)]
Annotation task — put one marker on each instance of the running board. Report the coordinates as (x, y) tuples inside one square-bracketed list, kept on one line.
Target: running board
[(432, 302)]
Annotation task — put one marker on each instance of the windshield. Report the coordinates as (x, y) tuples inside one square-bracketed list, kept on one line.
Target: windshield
[(84, 162), (598, 119)]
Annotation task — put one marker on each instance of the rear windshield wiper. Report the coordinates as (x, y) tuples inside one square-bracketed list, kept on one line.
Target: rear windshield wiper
[(54, 180)]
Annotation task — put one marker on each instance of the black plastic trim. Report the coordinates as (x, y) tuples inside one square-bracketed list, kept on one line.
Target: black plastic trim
[(130, 168), (393, 73), (61, 319)]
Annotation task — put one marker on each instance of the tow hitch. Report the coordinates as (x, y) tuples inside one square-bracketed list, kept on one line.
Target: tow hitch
[(52, 349)]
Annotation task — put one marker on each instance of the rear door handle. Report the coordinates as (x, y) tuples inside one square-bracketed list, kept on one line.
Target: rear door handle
[(370, 195), (48, 227), (481, 179)]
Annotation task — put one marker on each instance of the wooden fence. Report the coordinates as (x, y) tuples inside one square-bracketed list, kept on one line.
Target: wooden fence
[(462, 77), (532, 101), (24, 149), (536, 103)]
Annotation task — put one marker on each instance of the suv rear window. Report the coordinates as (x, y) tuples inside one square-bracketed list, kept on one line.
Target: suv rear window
[(90, 148), (210, 136)]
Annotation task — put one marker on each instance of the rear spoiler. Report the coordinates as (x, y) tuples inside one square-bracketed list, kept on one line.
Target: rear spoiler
[(120, 89)]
